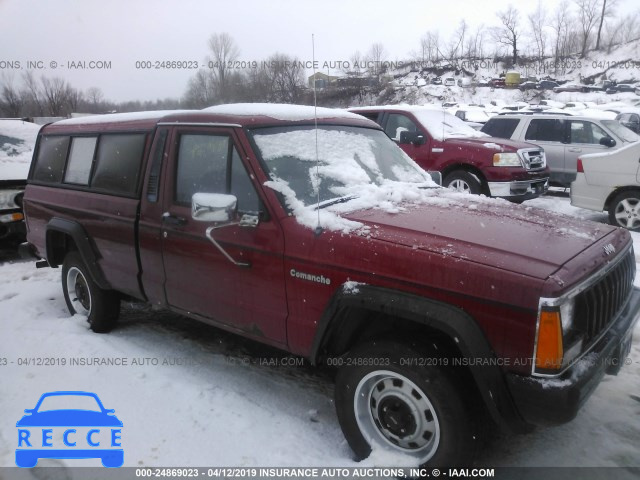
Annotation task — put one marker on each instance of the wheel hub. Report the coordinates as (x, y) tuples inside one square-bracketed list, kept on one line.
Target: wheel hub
[(396, 417), (394, 413), (81, 293)]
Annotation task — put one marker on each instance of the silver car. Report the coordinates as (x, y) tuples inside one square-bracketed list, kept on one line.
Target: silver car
[(564, 138)]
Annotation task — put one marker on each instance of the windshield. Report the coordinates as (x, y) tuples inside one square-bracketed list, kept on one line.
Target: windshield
[(621, 131), (347, 159)]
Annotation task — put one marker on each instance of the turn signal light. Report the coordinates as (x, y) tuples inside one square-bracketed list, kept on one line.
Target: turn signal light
[(549, 349)]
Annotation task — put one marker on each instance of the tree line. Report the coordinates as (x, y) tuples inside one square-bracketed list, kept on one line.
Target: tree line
[(573, 28)]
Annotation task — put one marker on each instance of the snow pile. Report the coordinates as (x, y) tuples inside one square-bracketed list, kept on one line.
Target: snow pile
[(280, 112), (119, 117), (17, 141)]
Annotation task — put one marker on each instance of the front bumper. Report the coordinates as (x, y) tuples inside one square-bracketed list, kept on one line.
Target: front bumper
[(519, 190), (552, 401)]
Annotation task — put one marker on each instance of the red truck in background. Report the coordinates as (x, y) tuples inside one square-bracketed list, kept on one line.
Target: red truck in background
[(469, 160)]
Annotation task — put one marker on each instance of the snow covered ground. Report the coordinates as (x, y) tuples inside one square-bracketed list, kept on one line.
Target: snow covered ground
[(192, 395)]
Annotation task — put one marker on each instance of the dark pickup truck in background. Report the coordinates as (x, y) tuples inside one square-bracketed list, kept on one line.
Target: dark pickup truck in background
[(438, 309)]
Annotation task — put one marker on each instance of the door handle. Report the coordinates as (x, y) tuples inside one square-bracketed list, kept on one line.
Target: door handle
[(575, 150), (173, 220)]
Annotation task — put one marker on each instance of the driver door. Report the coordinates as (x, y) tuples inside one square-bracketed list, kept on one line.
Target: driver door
[(200, 279)]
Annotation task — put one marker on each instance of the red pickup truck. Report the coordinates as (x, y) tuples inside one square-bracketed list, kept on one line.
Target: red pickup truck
[(469, 160), (313, 232)]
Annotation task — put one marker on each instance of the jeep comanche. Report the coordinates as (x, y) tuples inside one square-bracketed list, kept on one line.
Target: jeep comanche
[(314, 233)]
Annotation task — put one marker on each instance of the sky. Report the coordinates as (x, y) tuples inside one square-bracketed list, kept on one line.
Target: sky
[(62, 37)]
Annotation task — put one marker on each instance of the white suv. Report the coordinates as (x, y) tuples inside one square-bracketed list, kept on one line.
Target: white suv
[(564, 138), (610, 181)]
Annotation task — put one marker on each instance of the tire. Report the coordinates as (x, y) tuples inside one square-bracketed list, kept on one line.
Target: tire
[(396, 405), (464, 182), (84, 297), (624, 210)]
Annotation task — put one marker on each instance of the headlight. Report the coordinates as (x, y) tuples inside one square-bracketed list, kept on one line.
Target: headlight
[(8, 199), (506, 160)]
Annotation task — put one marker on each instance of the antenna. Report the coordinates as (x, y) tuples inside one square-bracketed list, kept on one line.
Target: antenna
[(318, 230)]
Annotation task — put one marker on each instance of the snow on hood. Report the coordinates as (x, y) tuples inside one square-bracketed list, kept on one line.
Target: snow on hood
[(280, 111), (17, 141), (483, 230)]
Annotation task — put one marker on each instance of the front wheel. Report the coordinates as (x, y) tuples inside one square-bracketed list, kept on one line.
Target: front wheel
[(84, 297), (387, 399), (464, 182), (624, 210)]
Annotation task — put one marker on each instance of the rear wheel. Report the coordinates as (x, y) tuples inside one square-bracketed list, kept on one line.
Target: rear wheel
[(464, 182), (391, 397), (624, 210), (84, 297)]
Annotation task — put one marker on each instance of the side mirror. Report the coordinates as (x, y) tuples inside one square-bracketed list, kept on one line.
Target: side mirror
[(213, 207), (608, 142), (414, 138)]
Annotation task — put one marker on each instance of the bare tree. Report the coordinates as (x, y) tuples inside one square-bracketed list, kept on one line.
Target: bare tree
[(287, 78), (607, 11), (56, 95), (75, 98), (94, 97), (587, 19), (561, 24), (200, 90), (223, 50), (456, 45), (538, 23), (509, 33), (34, 91), (377, 55), (11, 100)]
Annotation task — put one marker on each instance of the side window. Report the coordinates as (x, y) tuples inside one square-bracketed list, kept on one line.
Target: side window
[(399, 123), (546, 130), (211, 164), (52, 155), (597, 133), (202, 166), (242, 187), (118, 162), (80, 160), (500, 127), (370, 115), (586, 132)]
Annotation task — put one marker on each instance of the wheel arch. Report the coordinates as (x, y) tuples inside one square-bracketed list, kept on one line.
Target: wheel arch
[(617, 191), (63, 235), (375, 312), (465, 167)]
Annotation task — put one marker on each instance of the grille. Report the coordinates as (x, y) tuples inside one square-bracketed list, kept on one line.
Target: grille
[(597, 306), (533, 159)]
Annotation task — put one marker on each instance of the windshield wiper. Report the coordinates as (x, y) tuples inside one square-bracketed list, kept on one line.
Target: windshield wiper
[(333, 201)]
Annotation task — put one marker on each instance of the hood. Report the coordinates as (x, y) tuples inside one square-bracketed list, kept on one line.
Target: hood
[(479, 142), (498, 234)]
